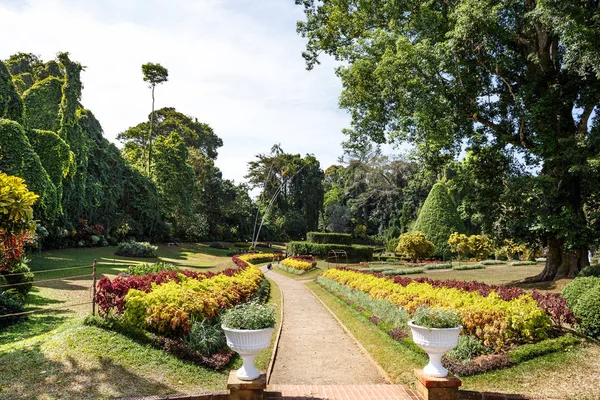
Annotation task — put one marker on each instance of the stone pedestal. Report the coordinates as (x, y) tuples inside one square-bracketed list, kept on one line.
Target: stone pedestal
[(246, 390), (430, 388)]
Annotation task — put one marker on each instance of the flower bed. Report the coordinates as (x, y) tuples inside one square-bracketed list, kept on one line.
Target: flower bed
[(169, 308), (299, 264), (254, 258), (182, 307), (495, 321)]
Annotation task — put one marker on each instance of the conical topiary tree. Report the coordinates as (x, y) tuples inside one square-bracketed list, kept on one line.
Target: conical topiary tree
[(439, 218)]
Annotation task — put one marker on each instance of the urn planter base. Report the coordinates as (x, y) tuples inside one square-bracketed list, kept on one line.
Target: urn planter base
[(248, 343), (436, 342)]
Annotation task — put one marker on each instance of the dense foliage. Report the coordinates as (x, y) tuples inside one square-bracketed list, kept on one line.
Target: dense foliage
[(514, 83), (17, 228), (291, 195), (329, 238)]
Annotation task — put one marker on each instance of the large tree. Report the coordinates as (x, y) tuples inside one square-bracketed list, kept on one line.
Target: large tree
[(503, 75)]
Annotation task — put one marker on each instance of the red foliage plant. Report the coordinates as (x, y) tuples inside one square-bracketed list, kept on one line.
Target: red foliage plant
[(11, 248), (110, 295)]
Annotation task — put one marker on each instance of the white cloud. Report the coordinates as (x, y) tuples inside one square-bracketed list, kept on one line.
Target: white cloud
[(234, 64)]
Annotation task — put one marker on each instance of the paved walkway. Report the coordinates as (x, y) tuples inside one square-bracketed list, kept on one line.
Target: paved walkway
[(338, 392), (313, 348)]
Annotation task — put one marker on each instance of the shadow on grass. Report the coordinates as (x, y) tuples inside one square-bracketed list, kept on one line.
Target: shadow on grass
[(39, 377), (533, 285), (32, 325)]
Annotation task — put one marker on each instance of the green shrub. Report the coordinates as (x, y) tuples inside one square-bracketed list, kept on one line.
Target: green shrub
[(250, 316), (590, 270), (531, 351), (136, 249), (205, 338), (415, 246), (329, 238), (467, 348), (587, 310), (493, 262), (438, 266), (144, 269), (577, 288), (10, 303), (21, 277), (243, 244), (404, 271), (355, 252), (439, 218), (435, 318), (219, 245), (468, 266)]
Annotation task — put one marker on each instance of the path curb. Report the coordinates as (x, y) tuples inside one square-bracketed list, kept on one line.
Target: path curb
[(276, 344)]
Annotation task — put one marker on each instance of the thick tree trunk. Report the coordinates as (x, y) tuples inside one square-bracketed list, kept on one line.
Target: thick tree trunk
[(560, 263)]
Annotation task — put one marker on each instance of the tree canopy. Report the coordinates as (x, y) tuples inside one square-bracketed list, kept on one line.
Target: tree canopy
[(520, 78)]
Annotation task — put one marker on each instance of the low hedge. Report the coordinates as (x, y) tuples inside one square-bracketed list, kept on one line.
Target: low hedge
[(329, 238), (136, 249), (533, 350), (354, 252), (465, 267)]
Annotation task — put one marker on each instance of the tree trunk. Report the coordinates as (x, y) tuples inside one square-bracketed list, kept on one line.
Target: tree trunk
[(560, 263), (150, 135)]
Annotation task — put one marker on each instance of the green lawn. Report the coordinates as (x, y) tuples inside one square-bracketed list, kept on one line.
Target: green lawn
[(184, 255), (56, 356)]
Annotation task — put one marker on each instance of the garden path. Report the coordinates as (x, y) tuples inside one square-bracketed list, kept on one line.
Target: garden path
[(313, 348)]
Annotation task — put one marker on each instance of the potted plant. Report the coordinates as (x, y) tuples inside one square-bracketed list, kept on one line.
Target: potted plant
[(248, 328), (435, 331)]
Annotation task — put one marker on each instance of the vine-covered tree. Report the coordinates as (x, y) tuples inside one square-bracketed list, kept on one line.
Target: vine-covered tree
[(502, 75), (154, 74)]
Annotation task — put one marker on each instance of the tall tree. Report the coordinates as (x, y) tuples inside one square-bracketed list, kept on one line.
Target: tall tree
[(495, 74), (154, 74), (292, 192)]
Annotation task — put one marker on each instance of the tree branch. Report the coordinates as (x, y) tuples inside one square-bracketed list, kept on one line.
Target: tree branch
[(585, 116)]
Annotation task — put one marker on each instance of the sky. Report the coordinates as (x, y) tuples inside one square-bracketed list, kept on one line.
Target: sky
[(233, 64)]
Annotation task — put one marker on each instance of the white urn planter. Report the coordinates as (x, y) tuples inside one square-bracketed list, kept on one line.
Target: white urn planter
[(248, 343), (436, 342)]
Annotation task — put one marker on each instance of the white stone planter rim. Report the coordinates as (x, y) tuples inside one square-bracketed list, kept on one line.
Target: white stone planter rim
[(246, 330), (412, 324)]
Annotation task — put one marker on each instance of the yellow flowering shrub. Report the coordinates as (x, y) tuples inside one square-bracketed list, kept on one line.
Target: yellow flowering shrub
[(168, 308), (495, 321), (297, 264), (255, 258)]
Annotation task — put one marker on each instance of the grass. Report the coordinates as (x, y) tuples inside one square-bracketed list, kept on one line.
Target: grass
[(563, 369), (55, 355), (264, 357), (197, 255)]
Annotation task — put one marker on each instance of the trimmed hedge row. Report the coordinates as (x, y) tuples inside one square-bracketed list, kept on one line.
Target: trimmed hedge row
[(355, 252), (329, 238)]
